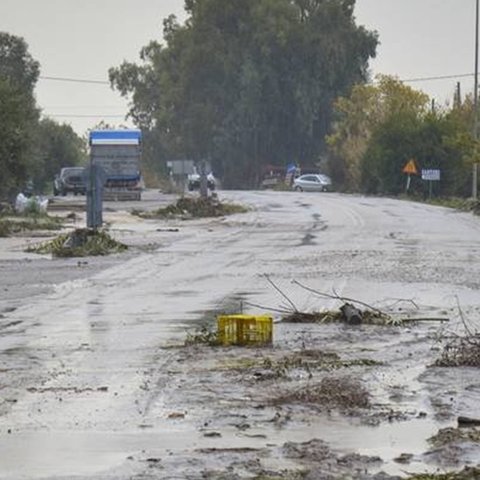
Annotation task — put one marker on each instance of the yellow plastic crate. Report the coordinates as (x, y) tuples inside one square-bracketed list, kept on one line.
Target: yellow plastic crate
[(245, 329)]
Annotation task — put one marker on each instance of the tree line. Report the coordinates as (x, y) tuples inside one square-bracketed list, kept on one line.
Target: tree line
[(380, 127), (247, 83), (32, 148), (250, 84)]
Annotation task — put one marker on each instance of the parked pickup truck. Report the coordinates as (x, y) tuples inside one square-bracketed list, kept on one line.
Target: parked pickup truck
[(70, 179)]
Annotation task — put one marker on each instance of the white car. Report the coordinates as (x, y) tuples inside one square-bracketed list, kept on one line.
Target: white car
[(313, 182)]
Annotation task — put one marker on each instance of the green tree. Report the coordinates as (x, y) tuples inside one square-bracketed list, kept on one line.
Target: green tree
[(17, 65), (18, 115), (380, 127), (359, 116), (57, 146), (394, 142), (436, 141), (18, 118), (246, 83)]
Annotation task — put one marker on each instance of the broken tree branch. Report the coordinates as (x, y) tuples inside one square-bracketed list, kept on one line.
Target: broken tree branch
[(280, 292), (397, 301), (271, 309), (335, 296), (462, 317), (425, 319)]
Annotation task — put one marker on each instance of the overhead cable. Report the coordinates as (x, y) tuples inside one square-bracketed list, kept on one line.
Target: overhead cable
[(104, 82), (76, 80)]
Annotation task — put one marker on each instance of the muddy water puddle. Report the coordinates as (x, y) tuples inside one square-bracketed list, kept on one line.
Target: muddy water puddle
[(85, 453), (387, 441), (58, 453), (88, 453)]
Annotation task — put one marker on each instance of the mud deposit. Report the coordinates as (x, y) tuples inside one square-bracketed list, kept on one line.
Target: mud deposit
[(326, 401), (97, 383)]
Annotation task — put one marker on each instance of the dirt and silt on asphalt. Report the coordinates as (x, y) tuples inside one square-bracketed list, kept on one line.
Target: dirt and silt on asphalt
[(97, 382)]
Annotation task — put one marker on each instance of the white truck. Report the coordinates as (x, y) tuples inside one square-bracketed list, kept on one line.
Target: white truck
[(118, 153)]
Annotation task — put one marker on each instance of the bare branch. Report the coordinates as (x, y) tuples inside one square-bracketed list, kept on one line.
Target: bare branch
[(281, 293), (396, 301), (462, 317), (335, 296), (425, 319), (271, 309)]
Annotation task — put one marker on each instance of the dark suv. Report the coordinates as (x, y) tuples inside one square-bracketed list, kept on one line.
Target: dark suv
[(70, 179)]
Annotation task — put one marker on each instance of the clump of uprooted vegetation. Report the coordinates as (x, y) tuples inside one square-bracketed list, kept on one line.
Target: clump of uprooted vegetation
[(304, 362), (203, 336), (447, 436), (194, 207), (343, 393), (468, 473), (81, 242), (347, 313), (461, 351)]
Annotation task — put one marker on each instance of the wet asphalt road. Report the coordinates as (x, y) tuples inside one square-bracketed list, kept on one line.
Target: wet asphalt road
[(74, 359)]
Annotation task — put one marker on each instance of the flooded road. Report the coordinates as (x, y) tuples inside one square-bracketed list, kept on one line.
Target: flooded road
[(95, 382)]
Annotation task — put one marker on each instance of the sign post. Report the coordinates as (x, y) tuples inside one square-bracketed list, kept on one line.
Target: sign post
[(410, 169), (431, 175)]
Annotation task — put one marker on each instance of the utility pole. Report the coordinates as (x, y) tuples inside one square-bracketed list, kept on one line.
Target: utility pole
[(475, 113), (457, 101)]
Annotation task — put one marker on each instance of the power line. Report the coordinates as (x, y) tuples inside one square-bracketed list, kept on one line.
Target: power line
[(66, 115), (76, 80), (53, 107), (104, 82), (440, 77)]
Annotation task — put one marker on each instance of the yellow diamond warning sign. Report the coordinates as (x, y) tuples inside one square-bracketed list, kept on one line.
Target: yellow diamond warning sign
[(410, 168)]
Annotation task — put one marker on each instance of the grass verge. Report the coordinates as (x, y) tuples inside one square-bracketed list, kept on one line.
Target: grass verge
[(16, 224)]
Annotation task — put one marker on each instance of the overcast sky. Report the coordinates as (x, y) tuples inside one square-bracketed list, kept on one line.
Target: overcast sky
[(83, 39)]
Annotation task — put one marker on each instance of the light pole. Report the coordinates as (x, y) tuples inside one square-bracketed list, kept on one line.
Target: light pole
[(475, 113)]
